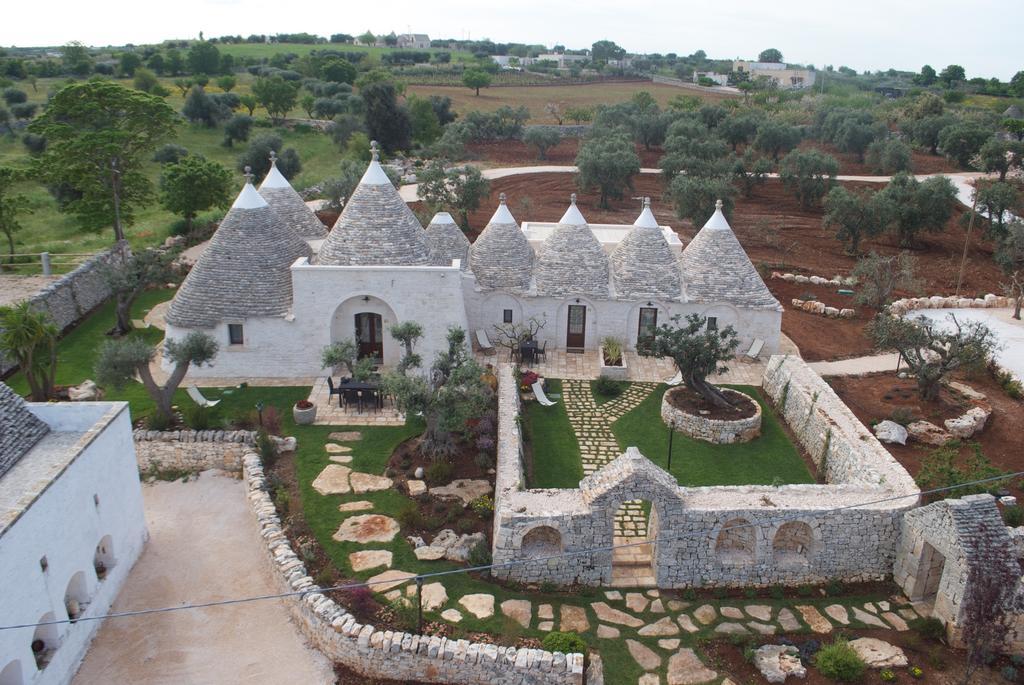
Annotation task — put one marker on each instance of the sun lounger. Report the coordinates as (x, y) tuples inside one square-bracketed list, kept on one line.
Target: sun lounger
[(538, 392), (676, 379), (198, 398), (139, 323), (755, 349), (483, 341)]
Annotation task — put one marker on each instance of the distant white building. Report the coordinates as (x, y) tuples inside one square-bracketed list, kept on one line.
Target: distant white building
[(511, 61), (415, 41), (719, 79), (562, 60), (778, 73), (71, 528)]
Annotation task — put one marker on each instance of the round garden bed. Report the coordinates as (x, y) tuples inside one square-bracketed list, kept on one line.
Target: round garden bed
[(690, 414)]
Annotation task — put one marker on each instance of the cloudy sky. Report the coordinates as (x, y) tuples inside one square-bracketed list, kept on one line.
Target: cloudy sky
[(984, 36)]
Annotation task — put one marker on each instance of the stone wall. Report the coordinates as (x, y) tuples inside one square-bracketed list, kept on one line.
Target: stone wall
[(901, 307), (384, 653), (77, 293), (717, 431), (192, 451)]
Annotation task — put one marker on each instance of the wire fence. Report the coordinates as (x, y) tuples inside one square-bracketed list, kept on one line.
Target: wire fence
[(44, 262)]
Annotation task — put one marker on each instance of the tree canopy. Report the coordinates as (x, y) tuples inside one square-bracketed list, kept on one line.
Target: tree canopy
[(698, 352), (855, 216), (276, 95), (194, 184), (607, 161), (475, 79), (919, 205)]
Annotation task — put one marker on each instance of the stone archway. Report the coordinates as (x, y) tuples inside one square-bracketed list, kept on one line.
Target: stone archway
[(736, 543), (793, 544), (374, 317)]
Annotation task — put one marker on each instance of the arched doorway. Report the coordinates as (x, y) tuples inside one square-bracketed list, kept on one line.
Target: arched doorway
[(366, 320), (369, 328), (634, 547)]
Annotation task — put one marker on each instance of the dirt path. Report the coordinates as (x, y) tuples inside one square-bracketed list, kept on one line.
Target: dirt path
[(202, 547)]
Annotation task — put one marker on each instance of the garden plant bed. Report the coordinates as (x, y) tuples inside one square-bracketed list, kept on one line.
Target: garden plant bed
[(407, 457), (692, 402)]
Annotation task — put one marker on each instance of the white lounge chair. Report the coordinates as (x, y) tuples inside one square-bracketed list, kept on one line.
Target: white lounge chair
[(483, 341), (140, 323), (676, 379), (538, 392), (197, 397), (755, 349)]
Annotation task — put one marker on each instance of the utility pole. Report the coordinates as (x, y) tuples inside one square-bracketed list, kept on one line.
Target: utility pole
[(967, 242)]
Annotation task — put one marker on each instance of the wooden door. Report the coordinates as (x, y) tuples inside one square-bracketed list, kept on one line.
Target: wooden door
[(648, 325), (576, 329), (370, 334)]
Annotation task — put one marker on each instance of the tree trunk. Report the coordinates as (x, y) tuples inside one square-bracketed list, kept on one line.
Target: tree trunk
[(123, 311), (709, 392), (115, 184), (10, 243), (1016, 307)]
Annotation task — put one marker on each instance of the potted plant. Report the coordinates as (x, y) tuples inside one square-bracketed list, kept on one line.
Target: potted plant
[(613, 361), (304, 412)]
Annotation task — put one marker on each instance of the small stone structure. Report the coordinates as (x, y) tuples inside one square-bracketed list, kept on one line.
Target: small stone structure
[(718, 431), (385, 653), (192, 451)]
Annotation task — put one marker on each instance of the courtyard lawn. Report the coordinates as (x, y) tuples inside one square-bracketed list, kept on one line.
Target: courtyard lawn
[(552, 442), (771, 458)]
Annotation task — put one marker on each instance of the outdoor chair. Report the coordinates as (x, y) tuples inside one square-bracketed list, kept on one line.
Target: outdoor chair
[(351, 397), (483, 342), (676, 379), (197, 397), (332, 390), (538, 392), (541, 353), (141, 324), (755, 350)]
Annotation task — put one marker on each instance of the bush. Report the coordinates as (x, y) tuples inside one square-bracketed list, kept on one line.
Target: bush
[(929, 628), (360, 601), (35, 144), (566, 643), (606, 387), (267, 449), (439, 473), (1009, 674), (198, 418), (1013, 516), (407, 615), (409, 517), (484, 460), (465, 525), (157, 422), (839, 662), (170, 154), (482, 506), (480, 555), (902, 416)]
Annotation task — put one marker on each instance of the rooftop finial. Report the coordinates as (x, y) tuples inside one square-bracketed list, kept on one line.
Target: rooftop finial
[(248, 174), (374, 152), (501, 198), (647, 203), (718, 205), (572, 199), (273, 158)]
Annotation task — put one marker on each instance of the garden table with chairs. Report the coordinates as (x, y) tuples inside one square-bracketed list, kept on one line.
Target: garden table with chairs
[(358, 394)]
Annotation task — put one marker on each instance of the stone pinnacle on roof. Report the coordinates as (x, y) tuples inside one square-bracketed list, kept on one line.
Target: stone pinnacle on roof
[(376, 228), (501, 256), (447, 241), (717, 269), (244, 272), (571, 261), (643, 265), (283, 199)]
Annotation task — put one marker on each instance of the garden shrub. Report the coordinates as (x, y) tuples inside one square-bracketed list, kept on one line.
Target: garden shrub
[(840, 662), (480, 555), (566, 643), (1009, 674), (929, 628), (606, 387), (170, 154), (483, 506), (484, 460), (1013, 516), (465, 525), (409, 516), (324, 578), (157, 422), (439, 473), (406, 614), (902, 416), (199, 418), (267, 449)]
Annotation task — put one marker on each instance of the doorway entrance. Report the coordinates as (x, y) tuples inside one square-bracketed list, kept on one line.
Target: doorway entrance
[(929, 575), (370, 334), (576, 329), (633, 553), (647, 327)]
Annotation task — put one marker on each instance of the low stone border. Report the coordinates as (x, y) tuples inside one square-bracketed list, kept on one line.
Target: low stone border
[(901, 307), (815, 307), (814, 280), (192, 451), (385, 653), (717, 431)]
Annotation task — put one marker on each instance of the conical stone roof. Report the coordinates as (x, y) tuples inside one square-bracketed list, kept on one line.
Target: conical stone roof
[(244, 272), (717, 269), (447, 241), (643, 265), (283, 199), (570, 260), (20, 429), (501, 256), (376, 227)]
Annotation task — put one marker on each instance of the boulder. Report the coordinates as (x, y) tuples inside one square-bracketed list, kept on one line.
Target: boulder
[(87, 391), (789, 277), (817, 307), (891, 432), (798, 303), (928, 433), (778, 662), (463, 546), (879, 653), (429, 553), (847, 313), (967, 391), (967, 424), (465, 489), (799, 278), (818, 280), (285, 444), (832, 312), (416, 487)]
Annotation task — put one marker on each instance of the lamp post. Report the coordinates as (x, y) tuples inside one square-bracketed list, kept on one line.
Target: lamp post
[(671, 432), (259, 411)]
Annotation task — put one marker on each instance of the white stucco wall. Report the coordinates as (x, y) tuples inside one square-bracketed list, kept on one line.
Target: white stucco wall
[(65, 525)]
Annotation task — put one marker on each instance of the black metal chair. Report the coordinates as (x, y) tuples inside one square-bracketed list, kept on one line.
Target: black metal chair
[(333, 391), (369, 398), (351, 397), (542, 352)]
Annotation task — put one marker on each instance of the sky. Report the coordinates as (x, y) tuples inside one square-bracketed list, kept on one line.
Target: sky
[(983, 36)]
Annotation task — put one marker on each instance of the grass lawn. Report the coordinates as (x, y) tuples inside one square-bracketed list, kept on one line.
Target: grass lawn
[(556, 453), (767, 459)]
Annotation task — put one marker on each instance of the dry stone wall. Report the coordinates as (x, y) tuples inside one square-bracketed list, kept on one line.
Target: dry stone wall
[(718, 431), (385, 653), (192, 451)]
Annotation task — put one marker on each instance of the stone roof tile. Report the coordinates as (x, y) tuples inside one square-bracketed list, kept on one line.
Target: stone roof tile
[(283, 199), (447, 241), (501, 256), (571, 261), (643, 265), (20, 429)]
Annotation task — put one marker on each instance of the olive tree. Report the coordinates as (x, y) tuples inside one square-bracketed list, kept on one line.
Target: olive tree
[(919, 205), (120, 361), (542, 138), (1010, 258), (11, 206), (129, 277), (880, 276), (809, 174), (607, 161), (698, 352), (855, 216), (194, 184), (695, 198), (460, 189)]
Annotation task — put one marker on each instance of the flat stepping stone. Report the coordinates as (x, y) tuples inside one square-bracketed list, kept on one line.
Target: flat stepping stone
[(728, 628), (685, 668), (676, 605), (388, 580), (883, 605), (545, 612), (643, 655), (813, 618), (868, 619), (762, 612), (649, 679), (895, 621), (345, 436), (371, 558), (613, 595), (705, 613), (574, 619), (452, 615), (870, 607), (519, 610), (653, 594), (659, 628), (434, 596), (669, 643), (337, 449), (909, 614), (838, 613), (367, 528), (686, 623), (465, 489), (606, 613), (367, 482), (480, 604), (416, 487), (878, 653), (607, 632), (361, 505), (393, 595), (731, 612), (636, 602), (657, 607), (546, 626), (763, 628), (333, 480), (341, 458), (429, 553), (787, 620)]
